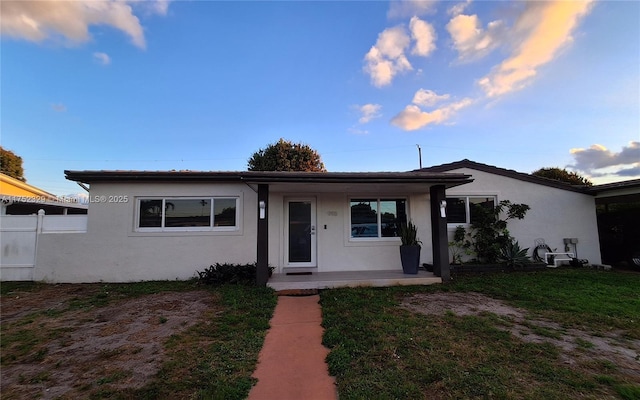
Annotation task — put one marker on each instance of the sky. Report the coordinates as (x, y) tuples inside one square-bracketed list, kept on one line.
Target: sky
[(202, 85)]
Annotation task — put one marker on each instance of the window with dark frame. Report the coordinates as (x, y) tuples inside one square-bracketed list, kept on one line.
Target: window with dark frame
[(460, 210), (187, 213), (377, 218)]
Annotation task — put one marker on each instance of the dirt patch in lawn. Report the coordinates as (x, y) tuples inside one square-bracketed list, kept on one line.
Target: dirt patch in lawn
[(578, 347), (52, 350)]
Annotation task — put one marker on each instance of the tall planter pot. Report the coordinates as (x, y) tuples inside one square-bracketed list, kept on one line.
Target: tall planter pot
[(410, 258)]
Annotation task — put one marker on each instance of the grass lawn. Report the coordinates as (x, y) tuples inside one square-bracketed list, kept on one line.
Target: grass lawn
[(381, 350)]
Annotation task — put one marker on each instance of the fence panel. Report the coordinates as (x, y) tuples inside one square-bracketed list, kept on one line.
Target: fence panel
[(64, 224), (19, 240), (18, 237)]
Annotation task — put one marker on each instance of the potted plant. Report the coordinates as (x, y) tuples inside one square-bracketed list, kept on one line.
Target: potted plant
[(410, 248)]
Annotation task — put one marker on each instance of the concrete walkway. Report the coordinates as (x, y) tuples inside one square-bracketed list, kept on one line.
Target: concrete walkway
[(291, 363)]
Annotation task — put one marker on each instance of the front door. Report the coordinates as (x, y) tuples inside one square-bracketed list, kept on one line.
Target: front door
[(300, 233)]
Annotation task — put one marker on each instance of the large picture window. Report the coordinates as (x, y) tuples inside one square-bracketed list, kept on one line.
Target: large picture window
[(377, 218), (181, 214), (461, 210)]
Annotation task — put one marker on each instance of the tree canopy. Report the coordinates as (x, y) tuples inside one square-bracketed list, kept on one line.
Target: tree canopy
[(11, 164), (562, 175), (286, 156)]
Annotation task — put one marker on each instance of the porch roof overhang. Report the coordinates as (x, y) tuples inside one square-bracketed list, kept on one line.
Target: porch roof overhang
[(283, 179)]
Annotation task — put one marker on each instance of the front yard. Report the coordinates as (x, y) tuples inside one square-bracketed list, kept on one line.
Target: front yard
[(551, 334), (131, 341)]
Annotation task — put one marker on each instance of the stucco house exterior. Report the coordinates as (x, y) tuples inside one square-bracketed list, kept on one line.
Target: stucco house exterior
[(155, 225), (149, 225), (558, 211)]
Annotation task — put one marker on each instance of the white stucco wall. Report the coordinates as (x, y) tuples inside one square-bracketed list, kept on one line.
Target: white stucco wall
[(112, 251), (336, 251), (555, 213)]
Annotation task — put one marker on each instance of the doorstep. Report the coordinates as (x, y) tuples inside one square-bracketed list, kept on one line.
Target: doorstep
[(329, 280)]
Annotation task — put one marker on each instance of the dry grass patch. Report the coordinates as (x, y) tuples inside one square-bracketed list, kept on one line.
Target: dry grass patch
[(123, 341)]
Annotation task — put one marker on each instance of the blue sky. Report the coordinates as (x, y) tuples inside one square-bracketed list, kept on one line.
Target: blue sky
[(201, 85)]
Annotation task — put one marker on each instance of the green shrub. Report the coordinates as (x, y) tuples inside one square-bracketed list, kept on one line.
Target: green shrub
[(488, 230), (513, 256), (460, 246), (238, 274)]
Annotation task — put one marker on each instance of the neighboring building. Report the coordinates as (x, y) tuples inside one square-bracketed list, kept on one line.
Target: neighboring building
[(26, 214), (558, 211), (618, 209), (20, 198)]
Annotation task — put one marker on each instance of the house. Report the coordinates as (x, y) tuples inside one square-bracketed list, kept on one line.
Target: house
[(562, 215), (20, 198), (148, 225)]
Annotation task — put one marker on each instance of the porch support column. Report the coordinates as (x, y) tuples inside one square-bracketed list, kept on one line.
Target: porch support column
[(262, 264), (439, 240)]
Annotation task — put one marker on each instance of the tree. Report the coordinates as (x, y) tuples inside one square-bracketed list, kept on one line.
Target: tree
[(11, 164), (562, 175), (286, 156)]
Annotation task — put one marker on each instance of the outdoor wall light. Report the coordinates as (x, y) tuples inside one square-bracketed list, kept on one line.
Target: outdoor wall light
[(443, 208), (263, 209)]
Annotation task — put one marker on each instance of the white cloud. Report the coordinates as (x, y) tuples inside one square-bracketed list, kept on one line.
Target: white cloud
[(386, 58), (410, 8), (458, 8), (102, 58), (369, 112), (428, 98), (357, 131), (424, 36), (470, 40), (413, 118), (38, 21), (160, 7), (544, 27), (599, 157)]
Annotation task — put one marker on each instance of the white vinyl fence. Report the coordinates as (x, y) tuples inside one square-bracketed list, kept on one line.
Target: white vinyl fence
[(19, 240)]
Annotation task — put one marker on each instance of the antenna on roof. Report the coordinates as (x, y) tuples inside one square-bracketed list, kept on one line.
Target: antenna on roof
[(419, 154)]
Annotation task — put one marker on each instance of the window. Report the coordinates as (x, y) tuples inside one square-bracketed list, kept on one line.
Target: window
[(377, 218), (182, 214), (460, 210)]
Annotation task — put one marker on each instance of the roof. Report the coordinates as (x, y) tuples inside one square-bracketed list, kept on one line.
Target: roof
[(609, 187), (14, 187), (508, 173), (427, 177)]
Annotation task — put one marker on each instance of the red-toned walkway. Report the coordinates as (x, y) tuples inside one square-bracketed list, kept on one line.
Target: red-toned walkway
[(291, 364)]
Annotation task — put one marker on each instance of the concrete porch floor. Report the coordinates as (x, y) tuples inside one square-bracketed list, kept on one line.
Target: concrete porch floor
[(327, 280)]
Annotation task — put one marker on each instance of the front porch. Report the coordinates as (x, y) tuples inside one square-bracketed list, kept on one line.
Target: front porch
[(327, 280)]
